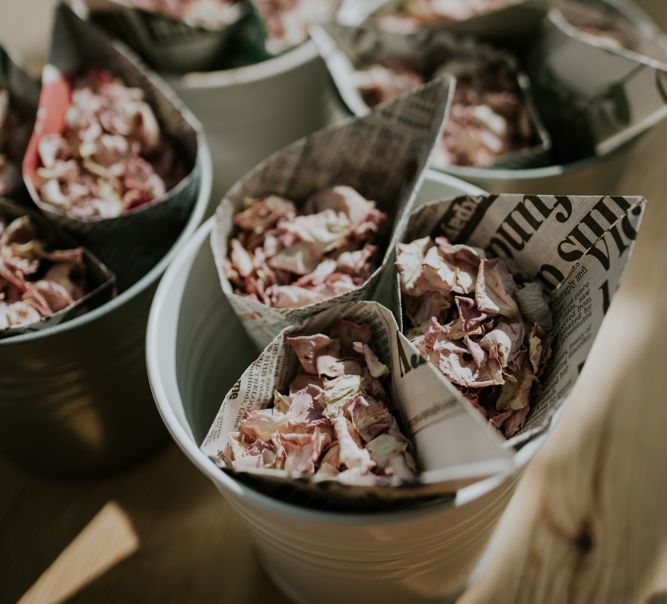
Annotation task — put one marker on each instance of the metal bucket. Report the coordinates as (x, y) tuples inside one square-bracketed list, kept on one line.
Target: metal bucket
[(250, 112), (75, 399), (196, 349), (586, 176)]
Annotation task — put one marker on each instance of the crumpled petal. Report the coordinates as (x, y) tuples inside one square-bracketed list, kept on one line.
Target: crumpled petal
[(534, 305), (478, 337), (349, 332), (516, 396), (111, 156), (35, 282), (261, 216), (301, 259), (409, 263), (495, 289), (471, 317), (391, 455), (335, 407), (376, 368), (291, 296), (369, 417), (308, 348), (503, 342), (351, 453)]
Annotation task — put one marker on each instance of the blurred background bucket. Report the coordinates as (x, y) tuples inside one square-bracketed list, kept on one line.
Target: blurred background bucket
[(75, 399), (250, 112), (196, 349), (587, 176)]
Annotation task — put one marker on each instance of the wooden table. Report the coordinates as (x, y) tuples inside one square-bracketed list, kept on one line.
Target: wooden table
[(588, 523)]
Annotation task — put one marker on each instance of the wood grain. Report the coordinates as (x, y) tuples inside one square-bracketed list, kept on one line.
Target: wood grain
[(587, 524)]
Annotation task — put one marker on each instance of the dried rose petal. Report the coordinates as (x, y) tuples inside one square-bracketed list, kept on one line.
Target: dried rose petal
[(484, 335), (35, 282), (336, 426), (287, 260), (488, 118), (495, 289), (110, 157)]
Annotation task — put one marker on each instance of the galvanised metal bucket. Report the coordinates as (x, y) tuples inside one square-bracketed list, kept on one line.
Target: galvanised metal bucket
[(196, 349)]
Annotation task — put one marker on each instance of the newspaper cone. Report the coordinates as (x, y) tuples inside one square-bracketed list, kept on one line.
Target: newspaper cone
[(23, 93), (347, 49), (167, 44), (448, 458), (101, 282), (133, 242), (381, 155), (577, 247), (617, 90), (517, 19)]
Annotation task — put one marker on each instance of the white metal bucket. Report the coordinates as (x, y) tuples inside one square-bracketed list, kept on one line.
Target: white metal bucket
[(196, 349)]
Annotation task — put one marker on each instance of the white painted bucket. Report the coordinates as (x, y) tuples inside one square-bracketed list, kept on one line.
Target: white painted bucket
[(196, 349), (250, 112)]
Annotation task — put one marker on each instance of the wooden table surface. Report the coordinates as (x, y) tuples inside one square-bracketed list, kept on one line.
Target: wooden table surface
[(587, 524)]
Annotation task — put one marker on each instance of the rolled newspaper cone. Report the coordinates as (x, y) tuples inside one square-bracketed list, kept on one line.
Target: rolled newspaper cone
[(131, 242), (466, 448), (284, 24), (382, 156), (169, 44), (493, 20), (348, 51), (33, 230), (576, 248), (19, 96), (617, 90)]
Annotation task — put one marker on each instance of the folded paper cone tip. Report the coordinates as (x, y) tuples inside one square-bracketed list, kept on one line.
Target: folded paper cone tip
[(131, 243), (382, 155)]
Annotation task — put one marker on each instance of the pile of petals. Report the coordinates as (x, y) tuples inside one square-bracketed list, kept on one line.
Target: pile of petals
[(10, 133), (209, 14), (334, 422), (412, 15), (382, 82), (480, 323), (35, 282), (287, 21), (111, 156), (488, 118), (288, 260)]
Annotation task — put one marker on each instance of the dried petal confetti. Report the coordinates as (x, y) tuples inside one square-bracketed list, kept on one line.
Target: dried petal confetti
[(489, 332), (36, 281), (111, 156), (288, 259), (327, 427), (489, 117)]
